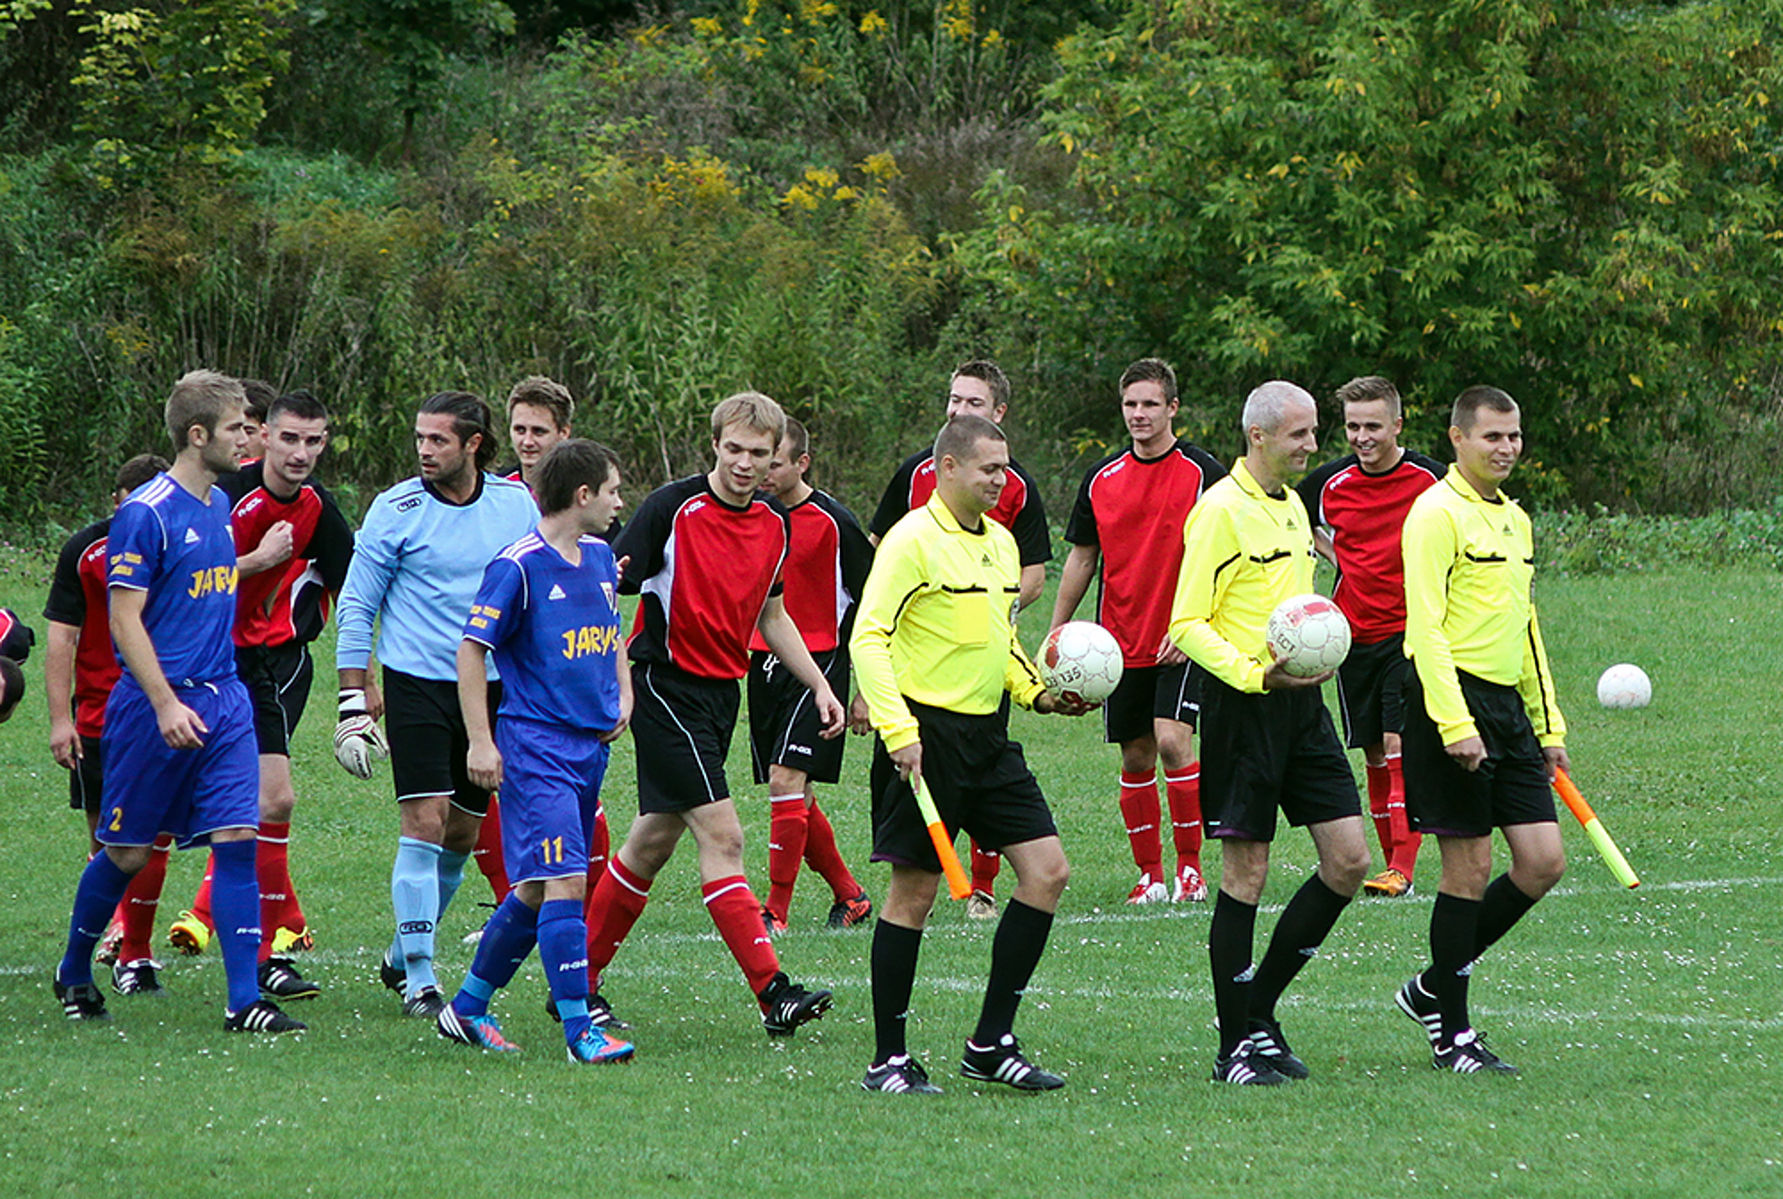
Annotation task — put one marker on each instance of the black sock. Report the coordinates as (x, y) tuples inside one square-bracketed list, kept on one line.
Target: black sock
[(1229, 943), (1504, 904), (1454, 924), (1303, 927), (894, 974), (1015, 951)]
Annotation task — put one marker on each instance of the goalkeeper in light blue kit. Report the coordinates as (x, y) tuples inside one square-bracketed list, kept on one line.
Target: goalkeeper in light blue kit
[(548, 609)]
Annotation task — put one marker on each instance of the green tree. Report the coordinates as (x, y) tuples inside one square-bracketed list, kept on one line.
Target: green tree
[(1576, 202)]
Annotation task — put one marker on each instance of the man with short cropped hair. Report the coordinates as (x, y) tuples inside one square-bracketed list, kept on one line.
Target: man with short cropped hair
[(1483, 734)]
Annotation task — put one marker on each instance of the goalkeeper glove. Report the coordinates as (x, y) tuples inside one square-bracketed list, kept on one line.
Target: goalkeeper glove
[(356, 738)]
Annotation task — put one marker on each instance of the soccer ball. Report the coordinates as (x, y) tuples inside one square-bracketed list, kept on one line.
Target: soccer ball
[(1309, 634), (1080, 660), (1624, 686)]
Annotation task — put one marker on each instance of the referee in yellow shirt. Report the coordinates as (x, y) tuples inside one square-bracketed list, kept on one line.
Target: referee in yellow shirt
[(1267, 741), (934, 649), (1482, 731)]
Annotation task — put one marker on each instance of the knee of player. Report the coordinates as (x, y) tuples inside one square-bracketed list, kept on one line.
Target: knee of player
[(1545, 871), (128, 858)]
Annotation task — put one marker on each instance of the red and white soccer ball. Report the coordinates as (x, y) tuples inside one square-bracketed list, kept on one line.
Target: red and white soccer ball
[(1080, 660), (1624, 686), (1309, 634)]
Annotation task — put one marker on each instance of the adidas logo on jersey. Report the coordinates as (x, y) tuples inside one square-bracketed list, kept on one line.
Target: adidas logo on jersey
[(612, 599), (556, 592), (192, 536)]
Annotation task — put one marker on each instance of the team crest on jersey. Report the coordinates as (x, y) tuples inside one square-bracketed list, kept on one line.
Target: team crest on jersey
[(556, 592)]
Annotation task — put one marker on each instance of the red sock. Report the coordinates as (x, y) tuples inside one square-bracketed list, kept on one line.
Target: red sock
[(614, 905), (488, 851), (278, 898), (1405, 842), (137, 909), (822, 856), (201, 901), (1380, 783), (734, 909), (788, 822), (600, 846), (985, 864), (1140, 813), (1184, 794)]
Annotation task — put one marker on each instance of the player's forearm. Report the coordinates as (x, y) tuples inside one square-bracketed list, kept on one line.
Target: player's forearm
[(788, 644), (1429, 552), (138, 652), (1536, 686), (1074, 582), (1033, 582), (1196, 637), (877, 681), (473, 692), (58, 669)]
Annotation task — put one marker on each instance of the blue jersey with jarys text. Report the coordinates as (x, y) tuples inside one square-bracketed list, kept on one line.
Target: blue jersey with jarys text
[(166, 541), (554, 630), (416, 563)]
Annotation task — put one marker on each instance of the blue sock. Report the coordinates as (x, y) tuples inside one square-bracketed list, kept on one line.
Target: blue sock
[(96, 896), (414, 893), (451, 876), (563, 949), (507, 939), (235, 906)]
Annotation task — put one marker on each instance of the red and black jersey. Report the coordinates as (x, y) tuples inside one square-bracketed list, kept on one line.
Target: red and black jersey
[(78, 598), (705, 569), (1018, 509), (1133, 509), (288, 602), (1365, 514), (826, 567)]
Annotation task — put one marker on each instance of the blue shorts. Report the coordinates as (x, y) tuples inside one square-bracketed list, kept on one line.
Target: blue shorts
[(151, 788), (550, 791)]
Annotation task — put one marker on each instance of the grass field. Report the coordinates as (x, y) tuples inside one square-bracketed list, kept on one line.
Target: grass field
[(1646, 1024)]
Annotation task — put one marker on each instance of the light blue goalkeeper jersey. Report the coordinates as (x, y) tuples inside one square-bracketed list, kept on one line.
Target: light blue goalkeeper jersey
[(417, 563)]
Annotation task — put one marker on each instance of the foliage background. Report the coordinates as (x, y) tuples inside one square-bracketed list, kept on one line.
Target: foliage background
[(835, 201)]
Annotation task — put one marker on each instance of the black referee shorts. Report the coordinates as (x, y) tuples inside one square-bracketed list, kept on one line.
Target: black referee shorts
[(1261, 753), (1511, 785), (785, 728), (428, 744), (1370, 691), (278, 680), (1147, 693), (976, 775), (681, 725)]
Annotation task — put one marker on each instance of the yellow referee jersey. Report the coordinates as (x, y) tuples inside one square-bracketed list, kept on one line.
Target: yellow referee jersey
[(936, 622), (1469, 570), (1244, 552)]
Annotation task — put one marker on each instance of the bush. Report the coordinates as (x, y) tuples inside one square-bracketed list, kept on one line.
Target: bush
[(1604, 542)]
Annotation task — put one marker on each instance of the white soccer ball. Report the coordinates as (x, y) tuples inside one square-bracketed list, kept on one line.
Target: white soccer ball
[(1080, 660), (1624, 686), (1309, 634)]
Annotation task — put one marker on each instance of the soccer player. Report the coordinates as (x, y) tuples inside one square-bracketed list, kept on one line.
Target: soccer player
[(16, 640), (936, 649), (706, 551), (1483, 735), (179, 726), (548, 608), (1128, 520), (1267, 741), (79, 670), (826, 567), (1362, 499), (977, 388), (416, 566), (294, 546), (260, 395)]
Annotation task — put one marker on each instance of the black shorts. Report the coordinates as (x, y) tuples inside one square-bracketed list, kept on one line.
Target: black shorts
[(1262, 752), (785, 728), (681, 726), (87, 780), (1511, 785), (1148, 693), (978, 779), (428, 743), (1370, 691), (278, 681)]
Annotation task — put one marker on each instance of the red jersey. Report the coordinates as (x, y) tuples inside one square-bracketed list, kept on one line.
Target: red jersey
[(826, 567), (288, 602), (78, 598), (706, 570), (1133, 509), (1018, 509), (1365, 514)]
